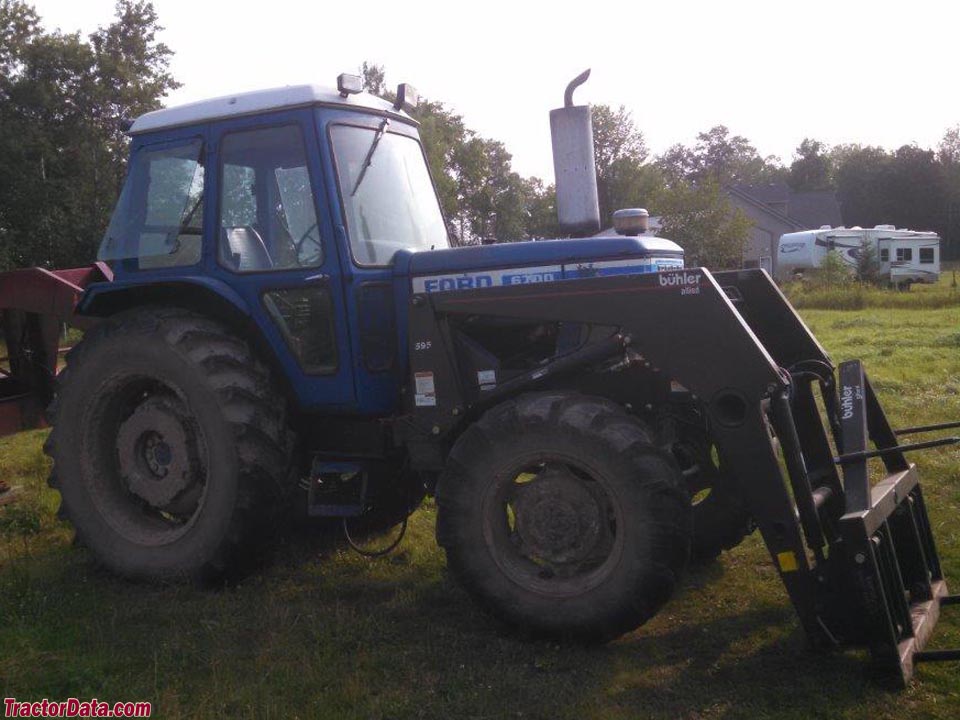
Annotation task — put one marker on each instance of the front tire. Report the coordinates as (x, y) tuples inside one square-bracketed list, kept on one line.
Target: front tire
[(561, 517), (721, 521), (168, 437)]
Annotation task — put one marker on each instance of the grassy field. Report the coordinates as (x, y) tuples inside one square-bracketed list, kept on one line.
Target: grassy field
[(321, 632), (856, 296)]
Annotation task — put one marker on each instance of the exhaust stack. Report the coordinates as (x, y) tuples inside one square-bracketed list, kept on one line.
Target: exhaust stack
[(571, 129)]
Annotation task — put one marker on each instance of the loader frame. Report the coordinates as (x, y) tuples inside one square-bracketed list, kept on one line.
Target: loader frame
[(859, 563)]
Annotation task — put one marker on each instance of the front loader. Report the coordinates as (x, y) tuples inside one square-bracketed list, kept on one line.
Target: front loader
[(279, 318), (859, 563)]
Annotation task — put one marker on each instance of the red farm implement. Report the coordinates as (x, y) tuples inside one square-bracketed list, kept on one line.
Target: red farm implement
[(36, 305)]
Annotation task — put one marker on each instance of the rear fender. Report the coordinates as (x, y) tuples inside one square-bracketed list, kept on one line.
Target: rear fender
[(206, 296)]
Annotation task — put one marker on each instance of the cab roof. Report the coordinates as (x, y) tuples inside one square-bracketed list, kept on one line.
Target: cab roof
[(259, 101)]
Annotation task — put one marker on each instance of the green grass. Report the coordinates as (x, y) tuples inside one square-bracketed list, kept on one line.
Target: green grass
[(855, 296), (321, 632)]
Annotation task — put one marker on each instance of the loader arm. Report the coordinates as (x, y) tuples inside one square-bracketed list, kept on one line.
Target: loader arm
[(735, 342)]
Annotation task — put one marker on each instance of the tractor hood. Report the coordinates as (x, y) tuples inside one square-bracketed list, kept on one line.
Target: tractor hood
[(540, 261)]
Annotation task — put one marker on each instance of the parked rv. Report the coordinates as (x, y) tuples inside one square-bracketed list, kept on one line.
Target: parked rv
[(904, 256)]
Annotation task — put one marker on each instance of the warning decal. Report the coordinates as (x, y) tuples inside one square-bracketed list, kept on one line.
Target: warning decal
[(487, 379), (424, 389)]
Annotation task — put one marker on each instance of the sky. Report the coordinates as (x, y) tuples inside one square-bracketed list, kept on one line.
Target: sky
[(879, 73)]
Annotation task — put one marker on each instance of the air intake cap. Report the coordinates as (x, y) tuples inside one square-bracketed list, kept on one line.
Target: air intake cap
[(631, 221)]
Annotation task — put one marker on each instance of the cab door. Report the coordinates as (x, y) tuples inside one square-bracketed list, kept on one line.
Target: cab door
[(382, 202), (274, 243)]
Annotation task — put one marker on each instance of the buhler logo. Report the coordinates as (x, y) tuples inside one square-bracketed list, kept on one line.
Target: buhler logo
[(687, 281), (846, 403)]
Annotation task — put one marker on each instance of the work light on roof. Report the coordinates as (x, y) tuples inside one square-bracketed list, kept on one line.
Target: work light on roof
[(349, 84), (407, 97)]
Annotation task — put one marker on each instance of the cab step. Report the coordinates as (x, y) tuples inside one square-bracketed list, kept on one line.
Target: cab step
[(336, 489)]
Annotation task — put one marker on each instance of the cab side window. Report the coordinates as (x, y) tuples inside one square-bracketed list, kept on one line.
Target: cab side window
[(158, 219), (267, 217)]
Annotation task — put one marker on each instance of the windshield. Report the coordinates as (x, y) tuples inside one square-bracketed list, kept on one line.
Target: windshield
[(388, 199)]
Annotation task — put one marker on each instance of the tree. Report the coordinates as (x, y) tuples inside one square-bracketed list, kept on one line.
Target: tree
[(699, 218), (542, 210), (44, 152), (833, 270), (19, 25), (868, 264), (619, 153), (722, 158), (132, 75), (948, 155), (729, 159), (811, 168), (677, 164), (492, 198), (616, 137), (859, 170), (914, 189), (442, 133), (631, 185), (907, 187), (62, 149), (624, 177), (375, 80)]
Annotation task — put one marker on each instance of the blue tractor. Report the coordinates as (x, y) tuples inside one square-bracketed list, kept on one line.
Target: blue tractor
[(282, 318)]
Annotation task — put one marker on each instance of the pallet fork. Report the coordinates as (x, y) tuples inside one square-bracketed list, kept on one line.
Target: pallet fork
[(896, 583), (859, 563)]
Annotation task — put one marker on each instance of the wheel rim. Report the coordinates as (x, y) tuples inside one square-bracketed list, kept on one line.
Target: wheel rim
[(149, 453), (553, 526)]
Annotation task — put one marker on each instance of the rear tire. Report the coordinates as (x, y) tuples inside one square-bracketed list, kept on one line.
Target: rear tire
[(169, 441), (562, 518)]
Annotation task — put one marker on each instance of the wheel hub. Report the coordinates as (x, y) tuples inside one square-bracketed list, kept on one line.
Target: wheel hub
[(558, 520), (157, 451)]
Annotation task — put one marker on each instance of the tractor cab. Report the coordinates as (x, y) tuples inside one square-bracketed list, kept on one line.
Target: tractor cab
[(286, 208), (311, 213)]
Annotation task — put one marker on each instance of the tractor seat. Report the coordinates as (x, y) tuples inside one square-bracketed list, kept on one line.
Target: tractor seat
[(242, 249)]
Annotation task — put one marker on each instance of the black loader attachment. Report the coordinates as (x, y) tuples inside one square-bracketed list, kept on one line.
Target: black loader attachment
[(858, 560)]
